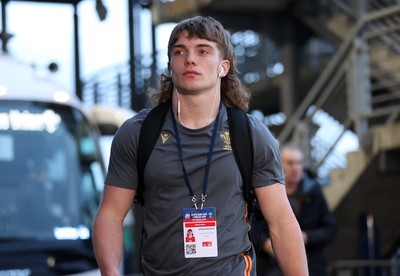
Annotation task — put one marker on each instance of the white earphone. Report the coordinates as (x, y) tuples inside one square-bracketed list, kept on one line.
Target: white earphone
[(222, 70)]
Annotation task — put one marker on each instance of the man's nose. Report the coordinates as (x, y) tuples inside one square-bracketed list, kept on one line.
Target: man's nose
[(190, 58)]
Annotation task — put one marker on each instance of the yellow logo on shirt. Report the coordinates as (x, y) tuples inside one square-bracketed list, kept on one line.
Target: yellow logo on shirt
[(227, 140), (164, 137)]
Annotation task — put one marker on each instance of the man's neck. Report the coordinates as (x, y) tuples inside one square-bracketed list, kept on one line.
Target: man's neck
[(196, 111)]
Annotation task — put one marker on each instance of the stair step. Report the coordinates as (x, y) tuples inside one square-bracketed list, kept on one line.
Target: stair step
[(343, 179), (384, 137), (340, 24)]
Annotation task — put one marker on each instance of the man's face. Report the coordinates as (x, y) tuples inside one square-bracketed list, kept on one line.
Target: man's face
[(195, 64), (292, 163)]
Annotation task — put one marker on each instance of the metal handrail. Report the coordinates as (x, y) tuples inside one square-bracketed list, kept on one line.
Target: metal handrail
[(332, 66)]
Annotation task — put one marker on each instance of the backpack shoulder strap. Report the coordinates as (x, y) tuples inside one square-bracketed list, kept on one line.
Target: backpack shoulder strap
[(242, 147), (149, 132)]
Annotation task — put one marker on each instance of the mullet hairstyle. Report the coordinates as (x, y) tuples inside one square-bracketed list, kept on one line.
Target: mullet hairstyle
[(233, 93)]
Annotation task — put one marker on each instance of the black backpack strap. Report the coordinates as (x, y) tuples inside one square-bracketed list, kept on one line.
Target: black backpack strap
[(149, 132), (242, 147)]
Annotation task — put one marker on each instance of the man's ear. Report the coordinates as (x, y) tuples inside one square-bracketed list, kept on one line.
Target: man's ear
[(169, 68), (226, 65)]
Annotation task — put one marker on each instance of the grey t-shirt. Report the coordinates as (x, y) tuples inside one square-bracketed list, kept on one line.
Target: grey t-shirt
[(166, 193)]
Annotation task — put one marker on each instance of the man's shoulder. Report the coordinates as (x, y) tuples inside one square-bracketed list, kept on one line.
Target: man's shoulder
[(260, 131), (142, 114), (137, 119), (254, 123), (131, 127)]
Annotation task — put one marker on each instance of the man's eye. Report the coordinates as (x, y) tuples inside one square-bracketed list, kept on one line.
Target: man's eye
[(177, 53), (203, 52)]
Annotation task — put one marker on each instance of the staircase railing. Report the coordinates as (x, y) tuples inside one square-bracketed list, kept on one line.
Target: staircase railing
[(358, 88)]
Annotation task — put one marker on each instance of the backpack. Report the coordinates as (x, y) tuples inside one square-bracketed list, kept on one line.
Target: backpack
[(242, 147)]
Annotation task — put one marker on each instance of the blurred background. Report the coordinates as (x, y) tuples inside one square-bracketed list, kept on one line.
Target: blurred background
[(324, 74)]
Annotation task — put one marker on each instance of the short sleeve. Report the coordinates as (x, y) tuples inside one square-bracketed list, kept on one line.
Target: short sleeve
[(267, 166), (122, 171)]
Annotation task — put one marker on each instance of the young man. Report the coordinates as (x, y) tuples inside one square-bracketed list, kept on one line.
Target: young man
[(192, 167), (317, 222)]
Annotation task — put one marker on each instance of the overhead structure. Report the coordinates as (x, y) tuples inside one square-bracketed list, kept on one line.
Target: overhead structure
[(100, 9)]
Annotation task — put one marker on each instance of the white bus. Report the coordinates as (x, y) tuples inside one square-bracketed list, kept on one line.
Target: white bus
[(51, 176)]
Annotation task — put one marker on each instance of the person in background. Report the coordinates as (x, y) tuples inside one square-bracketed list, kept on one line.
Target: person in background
[(200, 84), (317, 222)]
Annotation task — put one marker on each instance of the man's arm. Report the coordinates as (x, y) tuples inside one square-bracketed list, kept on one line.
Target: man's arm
[(285, 233), (107, 229)]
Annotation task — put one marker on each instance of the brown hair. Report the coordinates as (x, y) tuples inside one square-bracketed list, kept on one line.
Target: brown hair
[(233, 93)]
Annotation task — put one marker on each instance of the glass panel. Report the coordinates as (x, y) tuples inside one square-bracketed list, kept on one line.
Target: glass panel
[(47, 188)]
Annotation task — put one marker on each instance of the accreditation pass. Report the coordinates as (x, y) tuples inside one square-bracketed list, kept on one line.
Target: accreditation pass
[(200, 232)]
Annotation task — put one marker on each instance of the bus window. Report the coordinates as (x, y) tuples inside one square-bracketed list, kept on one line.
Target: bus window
[(51, 167)]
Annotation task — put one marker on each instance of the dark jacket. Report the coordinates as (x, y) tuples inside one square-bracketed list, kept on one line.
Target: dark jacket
[(315, 218)]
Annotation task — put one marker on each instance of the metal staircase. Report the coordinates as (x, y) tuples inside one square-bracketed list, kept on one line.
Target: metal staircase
[(359, 89)]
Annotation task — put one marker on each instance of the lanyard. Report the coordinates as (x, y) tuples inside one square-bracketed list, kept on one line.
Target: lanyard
[(210, 152)]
